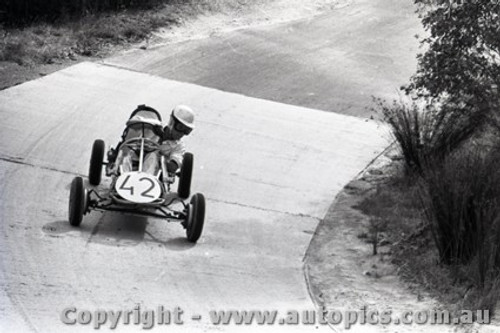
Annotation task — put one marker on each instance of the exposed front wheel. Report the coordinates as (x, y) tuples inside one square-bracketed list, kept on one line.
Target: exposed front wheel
[(196, 217), (96, 160), (184, 187), (77, 202)]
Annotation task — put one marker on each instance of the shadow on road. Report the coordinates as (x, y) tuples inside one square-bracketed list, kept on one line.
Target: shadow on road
[(115, 229), (175, 244), (57, 227)]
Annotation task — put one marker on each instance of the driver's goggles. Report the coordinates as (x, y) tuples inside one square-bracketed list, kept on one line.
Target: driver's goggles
[(180, 127)]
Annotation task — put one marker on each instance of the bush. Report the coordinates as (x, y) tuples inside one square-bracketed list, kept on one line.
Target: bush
[(427, 134), (456, 84), (461, 201)]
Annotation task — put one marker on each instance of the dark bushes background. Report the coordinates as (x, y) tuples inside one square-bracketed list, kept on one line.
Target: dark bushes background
[(23, 12)]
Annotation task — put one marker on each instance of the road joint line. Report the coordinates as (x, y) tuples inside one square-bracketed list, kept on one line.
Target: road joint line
[(264, 209)]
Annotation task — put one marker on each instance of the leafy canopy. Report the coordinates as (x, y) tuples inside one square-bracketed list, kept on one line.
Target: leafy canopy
[(462, 59)]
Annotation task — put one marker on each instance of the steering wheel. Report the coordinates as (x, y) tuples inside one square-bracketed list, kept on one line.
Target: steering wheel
[(135, 143)]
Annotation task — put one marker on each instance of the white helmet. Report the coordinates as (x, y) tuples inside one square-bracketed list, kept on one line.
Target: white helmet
[(184, 114)]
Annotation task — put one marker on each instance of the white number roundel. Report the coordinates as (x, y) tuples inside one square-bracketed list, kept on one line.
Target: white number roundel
[(138, 187)]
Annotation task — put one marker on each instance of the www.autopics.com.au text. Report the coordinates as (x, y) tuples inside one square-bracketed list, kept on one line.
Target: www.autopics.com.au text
[(148, 318)]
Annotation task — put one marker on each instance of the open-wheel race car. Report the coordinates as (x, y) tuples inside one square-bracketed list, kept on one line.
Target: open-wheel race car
[(140, 181)]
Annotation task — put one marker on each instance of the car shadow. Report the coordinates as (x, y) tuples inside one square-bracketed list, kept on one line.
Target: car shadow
[(59, 227), (112, 229), (115, 229)]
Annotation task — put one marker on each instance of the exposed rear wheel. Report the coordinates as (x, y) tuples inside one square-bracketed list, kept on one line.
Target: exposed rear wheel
[(196, 217), (96, 160), (184, 187), (77, 198)]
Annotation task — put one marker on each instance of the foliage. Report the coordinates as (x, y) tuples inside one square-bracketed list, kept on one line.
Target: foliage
[(426, 135), (88, 32), (462, 58), (23, 12), (88, 36), (461, 201), (454, 94), (460, 198)]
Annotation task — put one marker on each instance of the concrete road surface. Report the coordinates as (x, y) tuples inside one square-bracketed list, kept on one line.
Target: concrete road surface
[(268, 170), (334, 62)]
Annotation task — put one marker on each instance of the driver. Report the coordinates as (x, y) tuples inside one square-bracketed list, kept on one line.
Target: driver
[(181, 123), (148, 128)]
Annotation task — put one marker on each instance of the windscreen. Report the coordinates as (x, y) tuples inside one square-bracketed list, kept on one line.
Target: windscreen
[(148, 114), (142, 130)]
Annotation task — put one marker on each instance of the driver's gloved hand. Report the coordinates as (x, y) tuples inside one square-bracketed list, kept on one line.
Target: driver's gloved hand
[(112, 155), (172, 166)]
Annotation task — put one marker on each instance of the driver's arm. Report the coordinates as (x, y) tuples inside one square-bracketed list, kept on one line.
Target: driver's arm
[(173, 152)]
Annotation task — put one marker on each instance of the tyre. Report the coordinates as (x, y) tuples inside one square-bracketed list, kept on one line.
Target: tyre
[(196, 217), (184, 187), (77, 198), (96, 160)]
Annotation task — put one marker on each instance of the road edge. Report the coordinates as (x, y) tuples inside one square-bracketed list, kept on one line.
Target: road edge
[(373, 164)]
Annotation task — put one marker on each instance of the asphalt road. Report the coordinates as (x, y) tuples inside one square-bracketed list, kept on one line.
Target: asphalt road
[(269, 171)]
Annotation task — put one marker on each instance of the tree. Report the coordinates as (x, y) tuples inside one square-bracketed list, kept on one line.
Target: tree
[(461, 64)]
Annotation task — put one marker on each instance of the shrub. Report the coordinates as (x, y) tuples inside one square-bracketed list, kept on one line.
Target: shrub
[(461, 201), (427, 134)]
